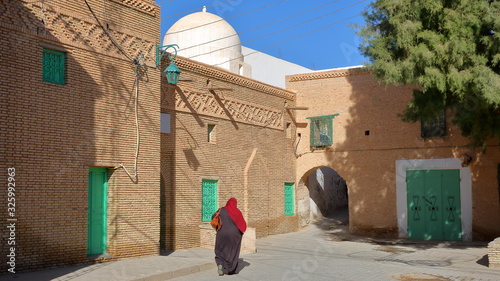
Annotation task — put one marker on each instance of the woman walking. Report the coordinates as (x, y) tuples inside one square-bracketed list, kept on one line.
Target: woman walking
[(228, 238)]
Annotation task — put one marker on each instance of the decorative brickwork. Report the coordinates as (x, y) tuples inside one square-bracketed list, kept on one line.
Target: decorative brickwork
[(147, 6), (327, 74), (251, 158), (80, 29), (51, 134), (212, 104)]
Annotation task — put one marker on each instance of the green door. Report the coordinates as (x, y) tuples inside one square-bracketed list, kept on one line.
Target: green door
[(209, 200), (433, 198), (97, 216)]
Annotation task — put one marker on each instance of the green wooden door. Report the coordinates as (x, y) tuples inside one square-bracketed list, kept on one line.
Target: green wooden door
[(433, 198), (97, 211), (452, 224), (208, 199)]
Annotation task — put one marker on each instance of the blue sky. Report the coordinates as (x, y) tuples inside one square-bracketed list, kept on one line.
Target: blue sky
[(318, 39)]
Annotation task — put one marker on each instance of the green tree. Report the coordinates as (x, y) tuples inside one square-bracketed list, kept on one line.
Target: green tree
[(448, 51)]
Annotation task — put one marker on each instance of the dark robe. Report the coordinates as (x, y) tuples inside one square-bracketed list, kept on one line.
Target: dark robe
[(228, 243)]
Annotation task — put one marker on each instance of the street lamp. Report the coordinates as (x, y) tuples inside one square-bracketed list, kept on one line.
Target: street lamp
[(172, 71)]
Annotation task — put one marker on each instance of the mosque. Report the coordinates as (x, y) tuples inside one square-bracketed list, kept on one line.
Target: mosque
[(208, 38)]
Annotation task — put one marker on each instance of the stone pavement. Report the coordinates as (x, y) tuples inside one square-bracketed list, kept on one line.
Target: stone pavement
[(322, 251)]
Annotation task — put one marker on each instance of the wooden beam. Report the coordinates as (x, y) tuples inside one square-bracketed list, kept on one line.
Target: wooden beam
[(296, 107)]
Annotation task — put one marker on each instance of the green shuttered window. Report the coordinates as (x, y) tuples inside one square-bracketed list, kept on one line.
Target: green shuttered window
[(289, 199), (53, 66), (321, 131), (209, 199)]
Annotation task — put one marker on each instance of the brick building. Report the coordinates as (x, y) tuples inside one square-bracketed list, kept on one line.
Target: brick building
[(106, 160), (386, 163), (69, 99), (229, 136)]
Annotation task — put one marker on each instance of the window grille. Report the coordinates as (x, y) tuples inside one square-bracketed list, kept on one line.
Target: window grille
[(209, 199), (321, 131), (53, 66), (433, 128)]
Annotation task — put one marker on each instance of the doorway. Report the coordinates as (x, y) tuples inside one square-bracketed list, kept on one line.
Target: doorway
[(97, 211), (433, 198)]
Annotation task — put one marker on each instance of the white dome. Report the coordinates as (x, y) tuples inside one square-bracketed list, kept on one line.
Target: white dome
[(207, 38)]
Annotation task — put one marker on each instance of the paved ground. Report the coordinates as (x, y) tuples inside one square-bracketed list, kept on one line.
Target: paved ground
[(322, 251)]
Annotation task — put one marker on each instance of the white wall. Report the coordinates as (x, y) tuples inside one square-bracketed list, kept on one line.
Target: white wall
[(269, 69)]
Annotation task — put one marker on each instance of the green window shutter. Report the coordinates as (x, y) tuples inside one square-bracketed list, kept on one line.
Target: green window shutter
[(321, 131), (289, 199), (209, 199), (53, 66)]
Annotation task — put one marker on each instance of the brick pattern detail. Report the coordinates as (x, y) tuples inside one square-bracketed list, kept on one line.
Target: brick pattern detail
[(218, 105), (328, 74), (52, 133), (250, 160), (145, 5), (57, 21)]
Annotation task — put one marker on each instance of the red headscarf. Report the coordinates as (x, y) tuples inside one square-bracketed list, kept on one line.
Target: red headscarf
[(236, 214)]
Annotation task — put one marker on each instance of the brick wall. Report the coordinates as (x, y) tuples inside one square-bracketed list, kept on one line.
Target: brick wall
[(494, 253), (368, 139), (251, 157), (51, 134)]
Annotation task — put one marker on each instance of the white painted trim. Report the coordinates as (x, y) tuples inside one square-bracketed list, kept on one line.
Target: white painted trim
[(426, 164)]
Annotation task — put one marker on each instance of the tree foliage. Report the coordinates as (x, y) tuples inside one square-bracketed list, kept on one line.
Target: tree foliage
[(448, 51)]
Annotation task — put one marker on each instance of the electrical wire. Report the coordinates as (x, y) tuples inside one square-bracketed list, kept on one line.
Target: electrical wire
[(301, 35), (258, 27), (290, 27), (267, 24), (296, 146), (145, 39), (248, 12), (324, 5), (107, 33), (290, 39), (194, 10), (112, 12), (137, 134)]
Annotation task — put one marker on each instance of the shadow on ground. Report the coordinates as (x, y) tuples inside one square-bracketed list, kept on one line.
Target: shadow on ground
[(336, 228), (484, 261), (241, 265)]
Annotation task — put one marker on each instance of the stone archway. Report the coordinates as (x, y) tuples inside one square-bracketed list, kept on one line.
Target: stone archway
[(321, 193)]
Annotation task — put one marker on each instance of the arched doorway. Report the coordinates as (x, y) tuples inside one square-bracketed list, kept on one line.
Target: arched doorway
[(324, 194)]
